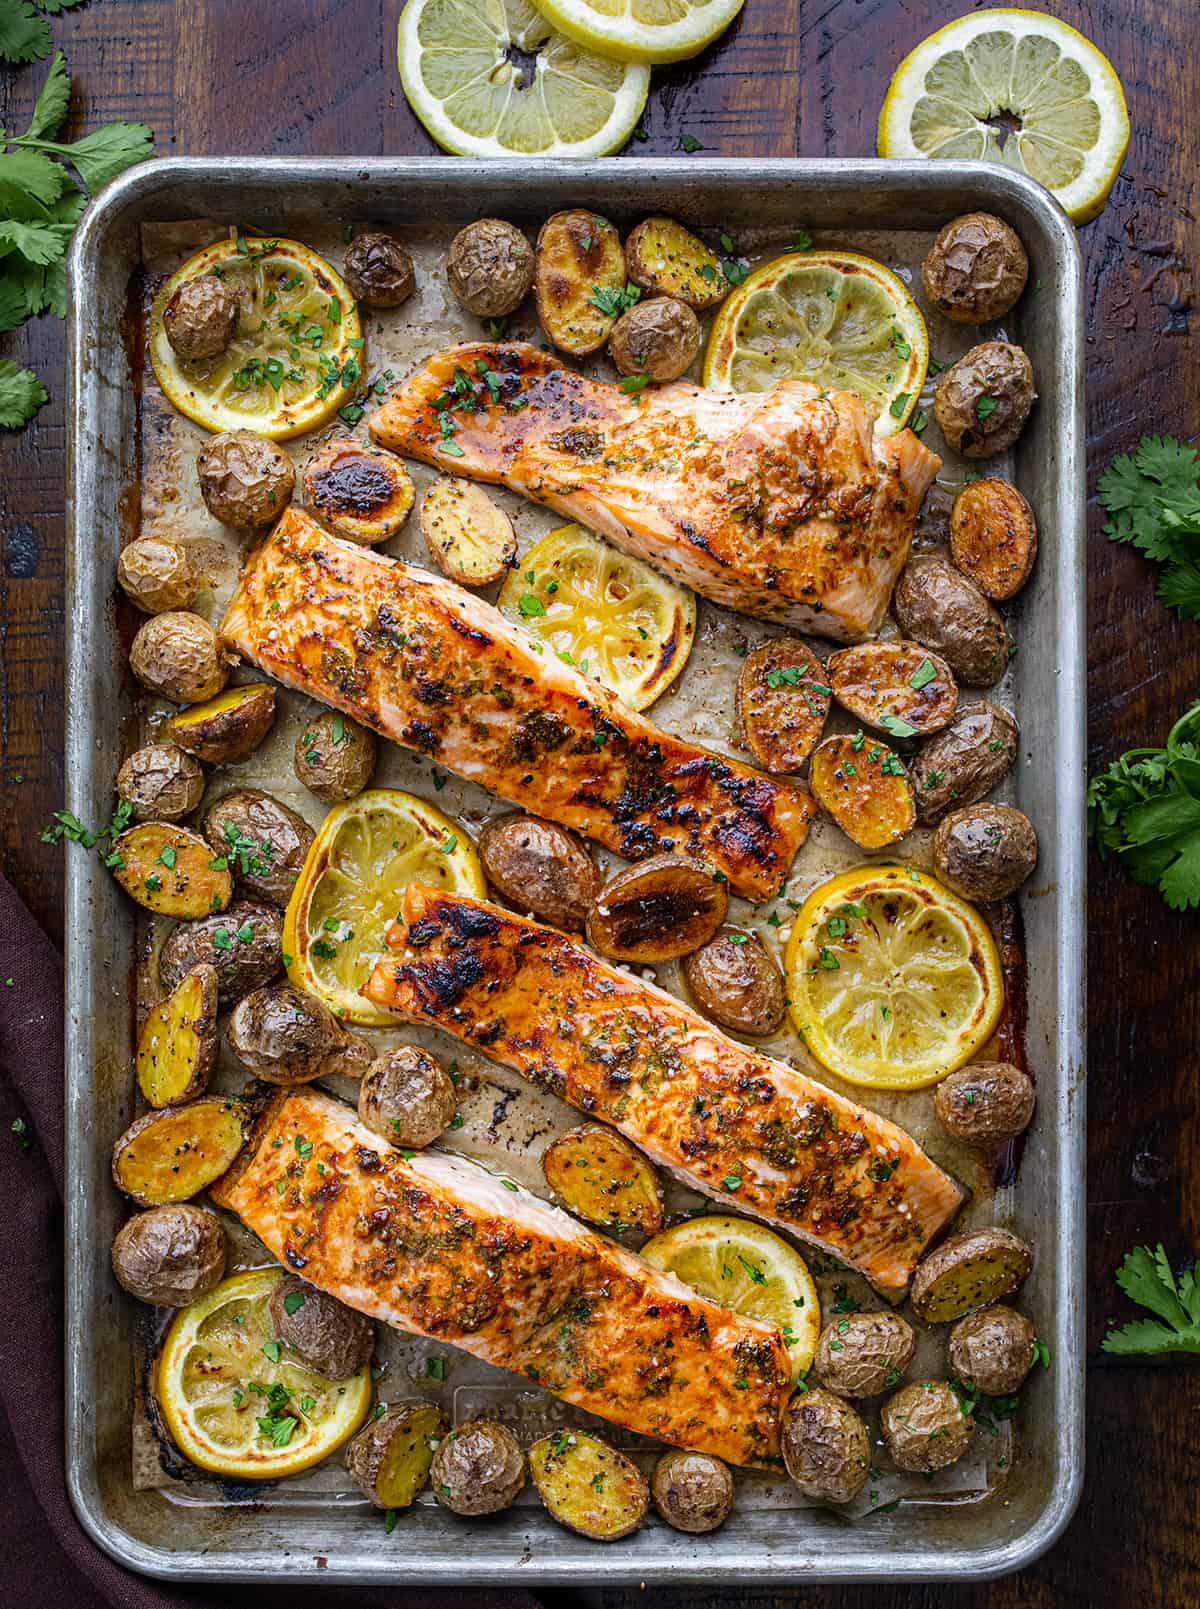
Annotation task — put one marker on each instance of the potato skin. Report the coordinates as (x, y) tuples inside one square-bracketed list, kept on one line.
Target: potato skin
[(170, 1256), (943, 611), (407, 1096), (924, 1427), (985, 851), (976, 268), (565, 1467), (227, 727), (245, 480), (986, 1103), (967, 760), (158, 574), (663, 257), (172, 1154), (180, 657), (161, 782), (325, 1334), (405, 1432), (334, 757), (862, 784), (873, 680), (361, 493), (735, 980), (470, 538), (168, 869), (246, 964), (782, 703), (280, 838), (992, 1351), (179, 1036), (478, 1468), (578, 254), (660, 338), (379, 270), (692, 1492), (993, 536), (863, 1354), (825, 1446), (656, 910), (600, 1177), (541, 867), (968, 1271), (490, 267), (200, 318), (995, 372), (284, 1036)]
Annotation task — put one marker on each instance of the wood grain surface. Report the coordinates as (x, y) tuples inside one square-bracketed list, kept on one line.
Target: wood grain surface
[(791, 77)]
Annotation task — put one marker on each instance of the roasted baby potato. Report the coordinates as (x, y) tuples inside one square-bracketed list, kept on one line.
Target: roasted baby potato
[(659, 338), (407, 1096), (334, 757), (964, 762), (201, 317), (264, 842), (490, 267), (863, 1354), (227, 727), (968, 1271), (284, 1036), (976, 268), (897, 687), (177, 1046), (170, 1256), (982, 401), (245, 480), (657, 910), (588, 1486), (936, 604), (158, 574), (170, 870), (924, 1427), (243, 943), (601, 1177), (361, 493), (986, 1103), (161, 782), (173, 1154), (735, 980), (782, 703), (579, 279), (692, 1492), (993, 536), (663, 257), (325, 1334), (541, 867), (992, 1351), (865, 788), (825, 1446), (985, 851), (478, 1468), (180, 657), (378, 270), (389, 1460), (471, 538)]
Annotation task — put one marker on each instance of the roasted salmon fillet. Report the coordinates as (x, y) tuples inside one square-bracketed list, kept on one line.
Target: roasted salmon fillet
[(436, 1245), (781, 503), (754, 1133), (435, 668)]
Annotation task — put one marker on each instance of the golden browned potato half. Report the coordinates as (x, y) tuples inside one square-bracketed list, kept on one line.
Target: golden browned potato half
[(334, 757), (245, 480), (227, 727), (993, 536), (173, 1154), (976, 268), (263, 840), (170, 1256), (158, 574), (863, 1354), (407, 1096), (863, 785), (601, 1177), (580, 275), (325, 1334), (201, 317), (389, 1460), (284, 1036), (541, 867), (180, 657), (967, 760), (825, 1446), (782, 703), (378, 270), (985, 851), (588, 1486), (992, 1351), (663, 257), (736, 981), (490, 267), (177, 1046), (941, 609), (657, 910), (170, 870), (244, 943), (982, 401), (478, 1468), (897, 687), (969, 1271), (986, 1103), (361, 493), (469, 536), (659, 338), (925, 1428), (161, 782)]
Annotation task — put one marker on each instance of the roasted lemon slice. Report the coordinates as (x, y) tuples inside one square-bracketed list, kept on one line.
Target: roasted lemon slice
[(642, 30), (748, 1268), (238, 1402), (348, 892), (611, 615), (893, 981), (839, 320), (297, 353)]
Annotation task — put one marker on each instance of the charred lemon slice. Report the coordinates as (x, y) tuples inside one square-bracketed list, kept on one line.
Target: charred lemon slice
[(237, 1401), (610, 615), (349, 889), (893, 981), (297, 352)]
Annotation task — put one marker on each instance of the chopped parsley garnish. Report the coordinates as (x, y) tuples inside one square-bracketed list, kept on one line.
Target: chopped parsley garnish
[(897, 726), (985, 407), (612, 300), (922, 676), (528, 606), (633, 384)]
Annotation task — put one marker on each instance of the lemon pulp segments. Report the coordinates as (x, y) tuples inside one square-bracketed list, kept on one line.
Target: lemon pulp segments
[(611, 615), (837, 319), (642, 30), (893, 981), (223, 1397), (297, 354), (467, 73)]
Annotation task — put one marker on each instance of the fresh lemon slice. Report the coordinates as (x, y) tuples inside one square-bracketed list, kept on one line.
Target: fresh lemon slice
[(835, 318), (1017, 87), (297, 354), (240, 1403), (893, 981), (611, 615), (348, 892), (642, 30), (748, 1268), (498, 80)]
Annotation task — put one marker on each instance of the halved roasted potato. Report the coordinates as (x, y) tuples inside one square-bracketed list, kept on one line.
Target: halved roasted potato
[(470, 537), (601, 1177), (177, 1046), (588, 1486), (657, 910), (663, 257), (173, 1154), (389, 1459), (865, 788), (579, 280), (782, 703), (969, 1271), (993, 536), (170, 870), (897, 687), (358, 492), (227, 727)]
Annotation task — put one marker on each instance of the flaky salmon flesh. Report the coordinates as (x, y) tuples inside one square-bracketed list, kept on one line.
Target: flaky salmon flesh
[(436, 1245), (435, 668), (752, 1132), (782, 503)]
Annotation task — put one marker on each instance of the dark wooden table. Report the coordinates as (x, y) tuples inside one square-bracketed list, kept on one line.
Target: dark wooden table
[(792, 77)]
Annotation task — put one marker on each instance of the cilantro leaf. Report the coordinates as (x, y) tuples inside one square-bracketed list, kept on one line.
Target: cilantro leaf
[(1148, 492), (24, 36), (21, 395), (40, 243), (53, 98), (1179, 588), (29, 174), (19, 297), (53, 7), (1145, 810), (1147, 1278), (102, 154)]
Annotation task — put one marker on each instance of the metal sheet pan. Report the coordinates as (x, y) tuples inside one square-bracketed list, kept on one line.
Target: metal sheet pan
[(309, 1529)]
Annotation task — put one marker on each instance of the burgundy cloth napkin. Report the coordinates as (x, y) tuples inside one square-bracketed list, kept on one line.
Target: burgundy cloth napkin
[(46, 1559)]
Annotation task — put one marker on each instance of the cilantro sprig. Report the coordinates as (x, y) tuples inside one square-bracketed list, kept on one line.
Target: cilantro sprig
[(1145, 810), (1153, 497), (1147, 1278)]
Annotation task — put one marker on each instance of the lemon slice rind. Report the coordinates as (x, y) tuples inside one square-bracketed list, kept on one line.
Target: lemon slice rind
[(628, 33)]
